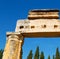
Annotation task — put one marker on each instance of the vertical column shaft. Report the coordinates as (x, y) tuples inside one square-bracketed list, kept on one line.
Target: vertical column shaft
[(20, 48), (13, 47)]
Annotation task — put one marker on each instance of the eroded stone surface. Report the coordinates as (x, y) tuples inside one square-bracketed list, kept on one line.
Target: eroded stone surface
[(13, 47)]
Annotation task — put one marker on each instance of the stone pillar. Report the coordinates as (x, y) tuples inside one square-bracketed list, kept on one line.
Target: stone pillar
[(20, 47), (13, 46)]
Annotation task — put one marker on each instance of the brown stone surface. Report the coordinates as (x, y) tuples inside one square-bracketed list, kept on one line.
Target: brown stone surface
[(42, 34), (13, 47), (43, 14)]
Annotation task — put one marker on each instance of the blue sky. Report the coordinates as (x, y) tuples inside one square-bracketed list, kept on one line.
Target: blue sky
[(12, 10)]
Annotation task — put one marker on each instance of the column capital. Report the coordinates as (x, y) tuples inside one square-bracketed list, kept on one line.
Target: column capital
[(14, 35)]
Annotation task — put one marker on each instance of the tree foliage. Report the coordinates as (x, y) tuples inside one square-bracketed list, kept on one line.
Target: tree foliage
[(42, 55), (53, 57), (1, 53), (30, 55), (48, 57), (57, 54), (37, 53)]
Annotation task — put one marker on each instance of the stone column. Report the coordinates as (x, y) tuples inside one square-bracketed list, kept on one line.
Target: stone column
[(13, 46), (20, 47)]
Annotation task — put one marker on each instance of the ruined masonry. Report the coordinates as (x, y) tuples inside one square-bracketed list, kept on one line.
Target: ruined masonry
[(40, 23)]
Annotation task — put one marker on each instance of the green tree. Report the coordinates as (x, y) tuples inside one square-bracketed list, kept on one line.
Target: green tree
[(42, 55), (57, 54), (53, 57), (49, 57), (30, 55), (36, 56), (1, 53)]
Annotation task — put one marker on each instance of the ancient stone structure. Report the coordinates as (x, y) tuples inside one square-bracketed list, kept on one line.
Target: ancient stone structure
[(40, 23)]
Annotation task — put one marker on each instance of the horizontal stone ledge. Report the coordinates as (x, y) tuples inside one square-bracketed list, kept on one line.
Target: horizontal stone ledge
[(35, 34), (45, 10), (41, 34), (13, 33)]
